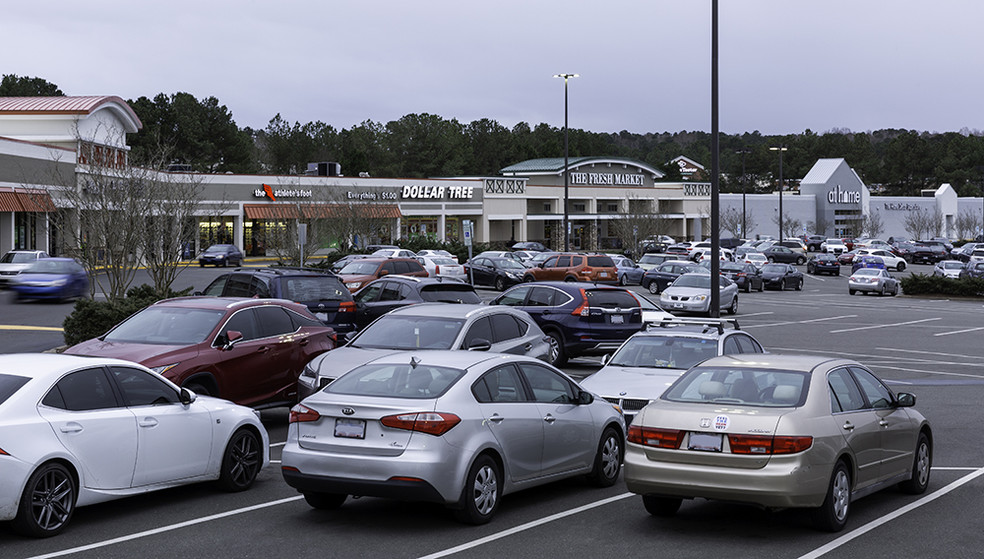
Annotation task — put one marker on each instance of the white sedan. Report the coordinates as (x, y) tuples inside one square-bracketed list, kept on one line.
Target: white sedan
[(83, 430), (833, 246)]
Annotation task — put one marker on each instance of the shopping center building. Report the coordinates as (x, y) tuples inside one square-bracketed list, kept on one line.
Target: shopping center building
[(41, 155)]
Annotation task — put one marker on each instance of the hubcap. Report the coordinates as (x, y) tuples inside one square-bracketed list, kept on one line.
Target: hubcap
[(922, 464), (609, 458), (51, 500), (485, 490), (841, 495), (244, 460), (554, 349)]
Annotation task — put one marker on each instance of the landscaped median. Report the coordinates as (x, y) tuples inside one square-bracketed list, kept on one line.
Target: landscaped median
[(922, 284)]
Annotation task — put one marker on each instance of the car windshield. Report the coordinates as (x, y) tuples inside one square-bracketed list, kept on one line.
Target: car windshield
[(952, 265), (410, 332), (392, 380), (693, 280), (167, 326), (360, 268), (778, 268), (754, 256), (217, 249), (742, 386), (664, 352), (450, 294), (507, 264), (314, 288), (18, 257), (49, 267)]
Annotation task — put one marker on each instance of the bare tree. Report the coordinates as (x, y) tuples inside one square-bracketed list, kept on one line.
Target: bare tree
[(917, 223), (966, 224), (872, 225), (790, 226), (639, 222), (731, 220), (819, 226)]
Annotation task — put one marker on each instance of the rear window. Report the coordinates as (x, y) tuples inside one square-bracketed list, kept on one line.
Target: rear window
[(10, 384), (449, 294), (611, 298), (601, 262), (396, 381), (315, 288), (742, 386)]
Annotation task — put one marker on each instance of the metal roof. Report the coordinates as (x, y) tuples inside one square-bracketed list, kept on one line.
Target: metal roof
[(822, 170), (68, 105), (555, 165)]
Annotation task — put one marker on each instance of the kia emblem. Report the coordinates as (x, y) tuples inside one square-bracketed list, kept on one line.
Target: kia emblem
[(348, 411)]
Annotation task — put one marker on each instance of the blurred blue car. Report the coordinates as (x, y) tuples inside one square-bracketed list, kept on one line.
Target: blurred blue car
[(51, 278), (867, 262)]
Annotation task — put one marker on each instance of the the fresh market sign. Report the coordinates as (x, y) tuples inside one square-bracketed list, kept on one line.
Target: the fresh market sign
[(607, 179)]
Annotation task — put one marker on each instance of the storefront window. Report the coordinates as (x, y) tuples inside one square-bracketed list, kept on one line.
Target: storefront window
[(215, 232)]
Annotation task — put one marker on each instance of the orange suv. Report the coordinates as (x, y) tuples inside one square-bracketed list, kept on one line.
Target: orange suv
[(575, 267), (357, 273)]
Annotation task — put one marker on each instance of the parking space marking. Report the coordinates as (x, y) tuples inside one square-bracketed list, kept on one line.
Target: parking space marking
[(924, 352), (885, 325), (959, 331), (524, 527), (756, 314), (802, 321), (867, 357), (823, 550), (164, 529)]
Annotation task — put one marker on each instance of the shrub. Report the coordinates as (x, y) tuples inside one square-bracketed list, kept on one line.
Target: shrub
[(90, 319), (922, 284)]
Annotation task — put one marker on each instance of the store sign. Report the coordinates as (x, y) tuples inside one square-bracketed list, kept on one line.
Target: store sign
[(901, 206), (606, 179), (697, 189), (371, 196), (417, 192), (838, 196), (273, 193)]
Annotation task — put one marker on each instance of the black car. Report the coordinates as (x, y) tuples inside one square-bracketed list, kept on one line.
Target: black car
[(746, 276), (924, 253), (785, 255), (580, 318), (500, 273), (221, 255), (813, 242), (321, 292), (530, 246), (782, 276), (823, 264), (656, 279), (381, 296)]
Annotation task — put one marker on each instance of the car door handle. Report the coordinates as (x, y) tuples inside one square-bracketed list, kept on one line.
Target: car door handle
[(303, 342), (848, 426), (71, 427), (147, 422), (496, 418), (549, 418), (528, 347), (263, 349)]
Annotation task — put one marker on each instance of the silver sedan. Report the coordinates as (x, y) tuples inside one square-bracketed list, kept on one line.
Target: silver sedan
[(454, 427), (692, 293), (872, 280), (778, 431)]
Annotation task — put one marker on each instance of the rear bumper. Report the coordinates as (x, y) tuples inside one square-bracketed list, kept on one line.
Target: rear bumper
[(390, 489)]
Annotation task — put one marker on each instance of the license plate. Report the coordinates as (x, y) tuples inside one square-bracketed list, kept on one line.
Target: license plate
[(617, 319), (708, 442), (604, 274), (321, 316), (677, 305), (350, 428)]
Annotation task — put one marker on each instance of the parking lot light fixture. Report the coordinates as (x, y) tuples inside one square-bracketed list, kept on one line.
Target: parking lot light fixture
[(567, 225), (780, 148)]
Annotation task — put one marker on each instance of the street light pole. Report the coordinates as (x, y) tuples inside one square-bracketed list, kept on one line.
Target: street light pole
[(567, 199), (781, 148), (744, 188)]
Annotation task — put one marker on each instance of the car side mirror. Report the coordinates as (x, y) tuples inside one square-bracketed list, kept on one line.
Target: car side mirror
[(905, 400), (197, 293), (383, 273), (231, 338), (605, 359), (186, 397), (584, 398), (480, 344)]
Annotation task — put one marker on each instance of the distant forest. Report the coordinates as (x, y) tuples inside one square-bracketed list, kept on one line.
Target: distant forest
[(203, 134)]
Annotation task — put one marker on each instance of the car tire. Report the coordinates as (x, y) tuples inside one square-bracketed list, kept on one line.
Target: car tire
[(528, 279), (54, 486), (895, 291), (325, 501), (623, 280), (852, 291), (832, 515), (241, 462), (761, 287), (771, 260), (748, 286), (661, 506), (733, 309), (608, 461), (900, 267), (556, 356), (481, 493), (800, 261), (782, 285), (201, 264), (799, 286), (653, 288), (922, 463), (570, 279), (500, 284)]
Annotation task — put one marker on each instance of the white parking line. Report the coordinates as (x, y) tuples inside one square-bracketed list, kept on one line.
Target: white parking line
[(756, 314), (823, 550), (884, 325), (524, 527), (959, 331), (802, 321), (163, 529), (923, 352)]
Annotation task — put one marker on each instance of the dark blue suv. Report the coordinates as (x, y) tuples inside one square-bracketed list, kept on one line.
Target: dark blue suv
[(580, 318)]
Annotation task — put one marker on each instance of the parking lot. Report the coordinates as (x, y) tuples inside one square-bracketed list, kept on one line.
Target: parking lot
[(930, 347)]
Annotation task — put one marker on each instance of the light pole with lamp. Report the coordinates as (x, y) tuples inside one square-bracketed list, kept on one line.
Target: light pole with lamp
[(567, 224), (744, 188), (781, 148)]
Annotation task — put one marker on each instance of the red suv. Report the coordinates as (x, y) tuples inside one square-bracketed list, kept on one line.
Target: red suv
[(250, 351)]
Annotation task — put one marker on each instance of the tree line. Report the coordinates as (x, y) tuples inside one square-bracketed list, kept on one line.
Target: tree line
[(203, 134)]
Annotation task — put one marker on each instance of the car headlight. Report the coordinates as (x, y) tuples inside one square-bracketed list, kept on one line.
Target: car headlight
[(57, 283), (353, 285), (513, 275), (309, 372), (164, 368), (700, 298)]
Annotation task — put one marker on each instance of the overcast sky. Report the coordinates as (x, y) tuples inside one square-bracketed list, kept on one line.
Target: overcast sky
[(644, 65)]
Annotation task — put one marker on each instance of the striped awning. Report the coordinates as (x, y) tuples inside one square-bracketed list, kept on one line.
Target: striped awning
[(20, 201), (321, 211)]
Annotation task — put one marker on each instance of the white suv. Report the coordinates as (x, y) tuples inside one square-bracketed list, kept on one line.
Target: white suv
[(890, 260), (16, 260)]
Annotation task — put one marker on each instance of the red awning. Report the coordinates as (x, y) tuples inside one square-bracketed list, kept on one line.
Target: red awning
[(19, 201), (320, 211)]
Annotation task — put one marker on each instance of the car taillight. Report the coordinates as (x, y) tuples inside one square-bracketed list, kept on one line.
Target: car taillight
[(582, 309), (346, 306), (432, 423), (437, 270), (758, 444), (659, 438), (302, 414)]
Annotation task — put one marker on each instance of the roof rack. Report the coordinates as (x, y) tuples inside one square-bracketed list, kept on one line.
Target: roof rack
[(707, 323)]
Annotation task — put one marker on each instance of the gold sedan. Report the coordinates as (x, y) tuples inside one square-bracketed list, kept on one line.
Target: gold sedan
[(777, 431)]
